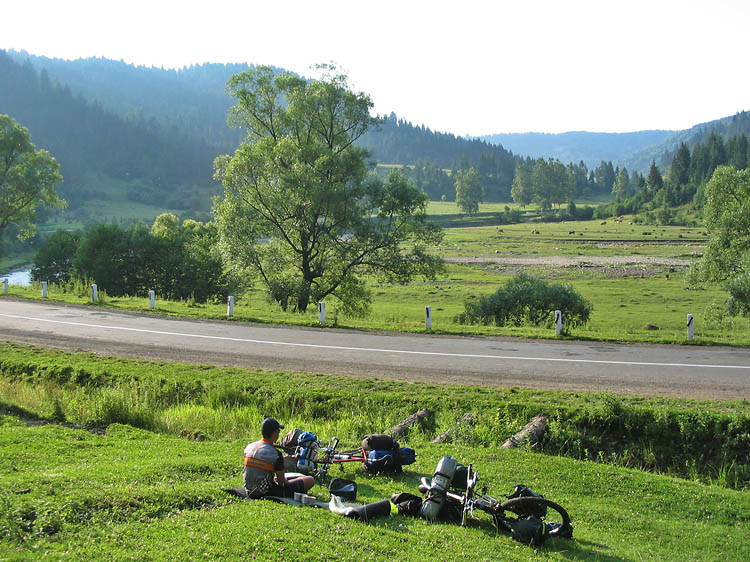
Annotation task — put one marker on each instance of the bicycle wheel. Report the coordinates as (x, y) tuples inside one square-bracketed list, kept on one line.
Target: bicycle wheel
[(525, 505)]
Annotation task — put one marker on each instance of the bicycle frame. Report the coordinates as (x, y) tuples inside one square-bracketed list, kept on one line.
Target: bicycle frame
[(332, 455)]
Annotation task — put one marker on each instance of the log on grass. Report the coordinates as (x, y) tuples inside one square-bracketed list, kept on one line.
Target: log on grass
[(447, 435), (533, 432), (401, 429)]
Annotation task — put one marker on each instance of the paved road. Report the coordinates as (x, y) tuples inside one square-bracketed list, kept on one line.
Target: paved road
[(647, 370)]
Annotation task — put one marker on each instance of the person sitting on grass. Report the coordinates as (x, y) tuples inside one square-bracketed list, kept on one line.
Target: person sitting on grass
[(264, 467)]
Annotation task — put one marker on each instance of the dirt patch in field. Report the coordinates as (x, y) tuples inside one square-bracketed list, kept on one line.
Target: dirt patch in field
[(612, 267), (573, 261)]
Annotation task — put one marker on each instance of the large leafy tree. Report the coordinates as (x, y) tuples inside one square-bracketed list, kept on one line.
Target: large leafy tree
[(727, 219), (469, 191), (300, 211), (27, 178)]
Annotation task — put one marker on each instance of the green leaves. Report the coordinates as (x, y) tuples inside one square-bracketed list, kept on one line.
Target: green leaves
[(299, 210), (469, 191), (727, 219), (525, 299), (27, 178)]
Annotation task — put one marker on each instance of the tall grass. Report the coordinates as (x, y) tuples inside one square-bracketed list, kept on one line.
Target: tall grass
[(690, 443)]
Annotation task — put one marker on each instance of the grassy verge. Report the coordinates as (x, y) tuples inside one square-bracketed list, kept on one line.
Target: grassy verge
[(154, 492)]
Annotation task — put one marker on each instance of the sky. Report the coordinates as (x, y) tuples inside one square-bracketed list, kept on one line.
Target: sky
[(466, 67)]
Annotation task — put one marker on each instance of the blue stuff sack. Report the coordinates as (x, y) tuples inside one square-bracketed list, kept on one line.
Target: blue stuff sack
[(379, 461), (407, 455)]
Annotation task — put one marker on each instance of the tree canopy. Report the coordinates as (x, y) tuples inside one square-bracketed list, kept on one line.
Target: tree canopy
[(177, 261), (727, 219), (27, 177), (469, 191), (300, 211)]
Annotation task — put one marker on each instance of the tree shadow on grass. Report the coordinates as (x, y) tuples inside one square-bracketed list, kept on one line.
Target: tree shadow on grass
[(31, 419)]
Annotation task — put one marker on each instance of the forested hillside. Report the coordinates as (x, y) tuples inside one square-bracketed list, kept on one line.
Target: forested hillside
[(663, 152), (95, 147), (186, 109), (191, 99)]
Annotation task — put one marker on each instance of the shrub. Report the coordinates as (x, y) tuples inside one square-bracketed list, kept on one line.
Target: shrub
[(603, 211), (525, 299), (585, 213), (54, 261)]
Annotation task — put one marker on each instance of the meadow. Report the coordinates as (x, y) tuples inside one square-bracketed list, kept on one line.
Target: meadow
[(634, 275), (107, 458)]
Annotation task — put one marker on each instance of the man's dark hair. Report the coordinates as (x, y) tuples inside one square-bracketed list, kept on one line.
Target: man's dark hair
[(268, 426)]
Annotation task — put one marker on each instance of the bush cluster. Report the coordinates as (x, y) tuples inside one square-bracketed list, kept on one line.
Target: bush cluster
[(527, 300), (178, 262)]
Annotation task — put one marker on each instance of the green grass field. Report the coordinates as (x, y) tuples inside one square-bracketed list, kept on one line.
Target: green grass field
[(633, 274), (627, 307), (105, 458)]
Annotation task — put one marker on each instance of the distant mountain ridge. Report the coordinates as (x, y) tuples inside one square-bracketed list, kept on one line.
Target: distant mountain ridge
[(634, 151), (191, 99), (577, 146)]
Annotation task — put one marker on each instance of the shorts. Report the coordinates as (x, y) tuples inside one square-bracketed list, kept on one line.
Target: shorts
[(286, 491)]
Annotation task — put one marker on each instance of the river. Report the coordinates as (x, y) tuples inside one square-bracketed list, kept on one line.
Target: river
[(20, 277)]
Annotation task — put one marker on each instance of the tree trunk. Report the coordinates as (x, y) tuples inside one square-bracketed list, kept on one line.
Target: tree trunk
[(303, 298), (447, 435), (401, 429), (532, 431)]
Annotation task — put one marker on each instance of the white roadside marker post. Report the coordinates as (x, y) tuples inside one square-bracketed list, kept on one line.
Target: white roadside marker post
[(690, 327), (94, 292), (558, 322), (44, 289), (230, 306), (428, 317), (321, 312), (151, 299)]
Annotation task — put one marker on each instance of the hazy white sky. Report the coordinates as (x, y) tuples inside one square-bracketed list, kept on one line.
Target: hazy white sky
[(462, 66)]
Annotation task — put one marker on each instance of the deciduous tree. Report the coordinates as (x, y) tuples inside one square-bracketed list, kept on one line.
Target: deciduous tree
[(27, 178), (469, 191), (300, 211), (522, 189), (727, 220)]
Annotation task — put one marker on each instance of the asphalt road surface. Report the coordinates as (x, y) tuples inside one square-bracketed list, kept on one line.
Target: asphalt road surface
[(645, 370)]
